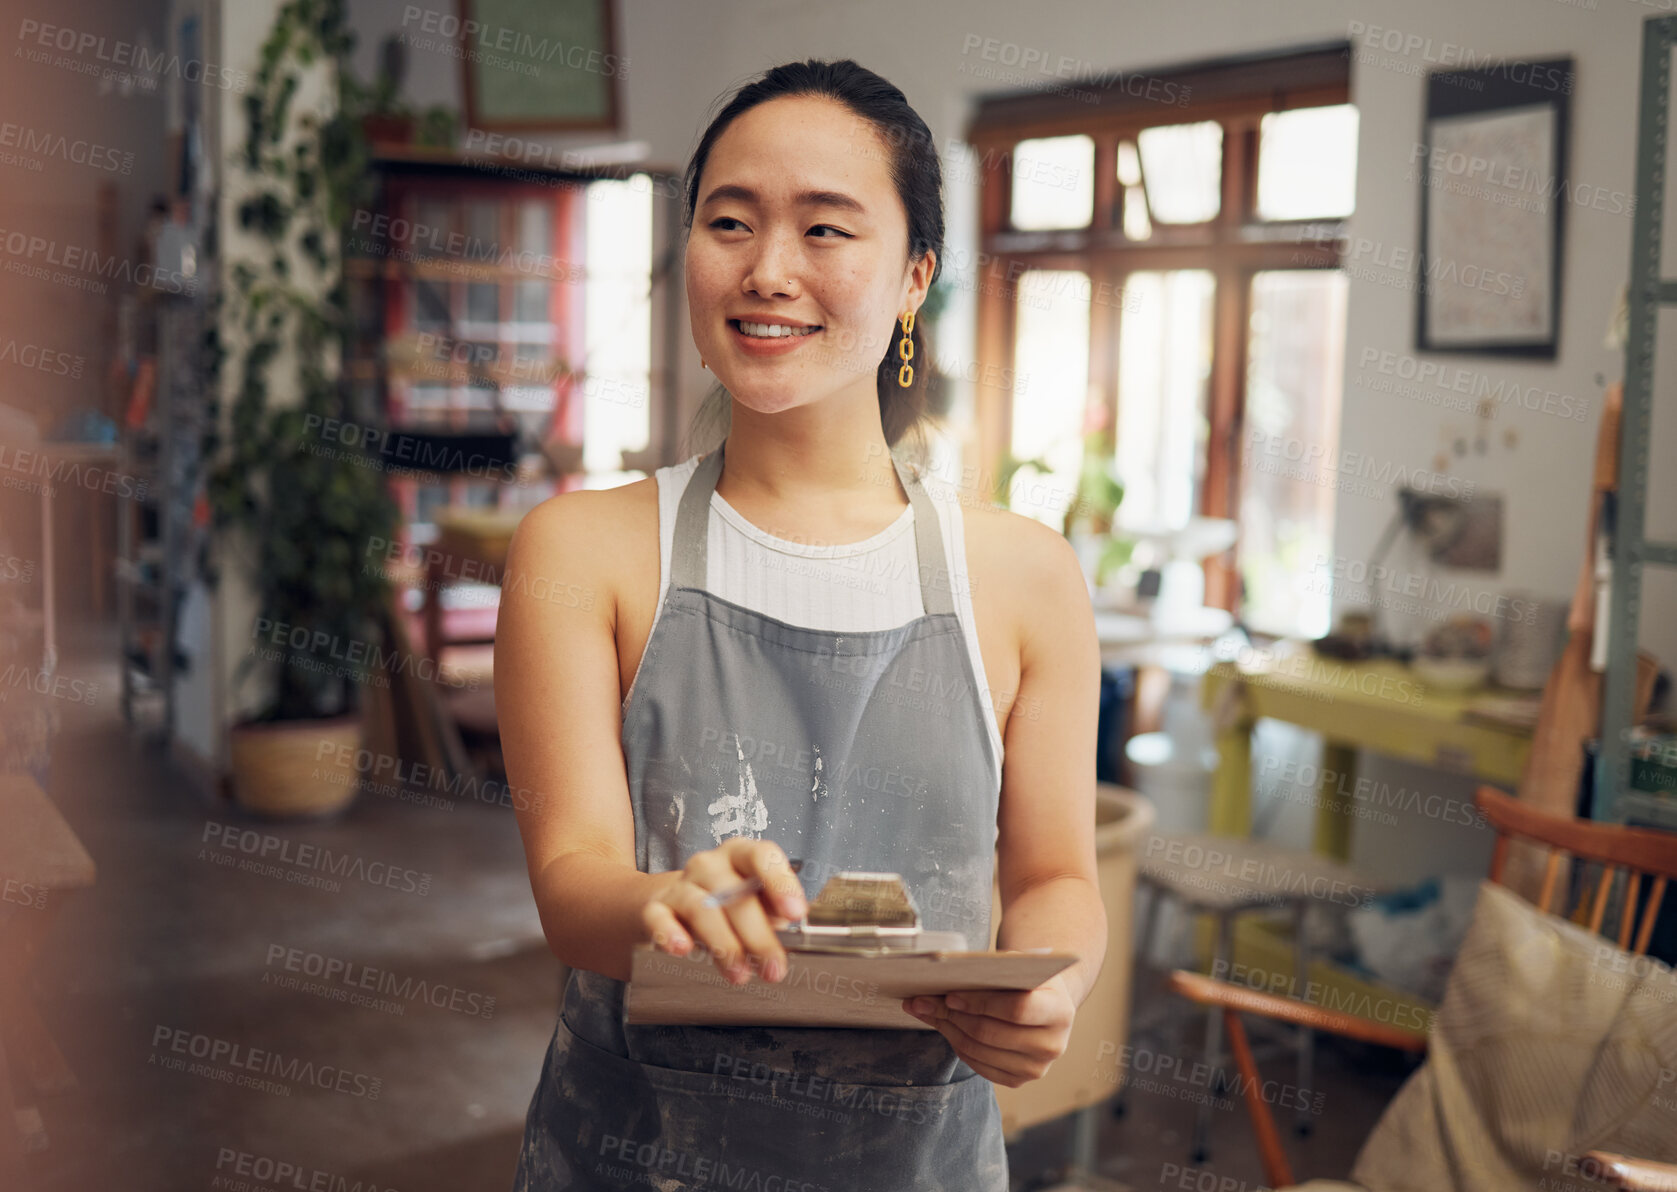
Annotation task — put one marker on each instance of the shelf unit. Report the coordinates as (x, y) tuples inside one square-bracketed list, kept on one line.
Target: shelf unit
[(156, 537), (467, 298), (1631, 548)]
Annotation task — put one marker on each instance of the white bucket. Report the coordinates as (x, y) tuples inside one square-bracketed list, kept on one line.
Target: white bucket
[(1176, 779)]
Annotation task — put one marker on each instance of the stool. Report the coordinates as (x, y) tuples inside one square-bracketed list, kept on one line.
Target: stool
[(1225, 876)]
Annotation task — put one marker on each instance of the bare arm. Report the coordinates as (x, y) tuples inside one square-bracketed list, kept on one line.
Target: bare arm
[(1050, 895), (1049, 891), (557, 702)]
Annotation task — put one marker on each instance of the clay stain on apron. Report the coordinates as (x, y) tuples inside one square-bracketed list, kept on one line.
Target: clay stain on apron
[(818, 779), (742, 813)]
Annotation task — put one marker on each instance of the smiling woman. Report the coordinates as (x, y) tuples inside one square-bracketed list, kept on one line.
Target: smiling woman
[(747, 676), (813, 202)]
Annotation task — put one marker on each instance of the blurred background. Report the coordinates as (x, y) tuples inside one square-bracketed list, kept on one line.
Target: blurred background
[(1307, 323)]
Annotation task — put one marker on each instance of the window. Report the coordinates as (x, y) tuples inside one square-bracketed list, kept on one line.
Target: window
[(1053, 182), (1053, 353), (617, 328), (1181, 165), (509, 300), (1307, 163), (1170, 255), (1164, 375)]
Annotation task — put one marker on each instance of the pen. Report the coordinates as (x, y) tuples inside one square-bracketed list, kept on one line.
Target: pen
[(749, 886)]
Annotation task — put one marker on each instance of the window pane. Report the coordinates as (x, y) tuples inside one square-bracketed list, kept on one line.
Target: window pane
[(433, 223), (425, 400), (479, 496), (483, 230), (1182, 168), (1137, 226), (535, 227), (483, 299), (1164, 374), (430, 307), (1129, 164), (1051, 358), (1307, 163), (1053, 183), (428, 498), (617, 323), (1293, 381), (535, 364), (530, 302)]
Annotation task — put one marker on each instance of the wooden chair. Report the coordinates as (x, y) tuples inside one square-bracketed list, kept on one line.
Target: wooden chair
[(1641, 852)]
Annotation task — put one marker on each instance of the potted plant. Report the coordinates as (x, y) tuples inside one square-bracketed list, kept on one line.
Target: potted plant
[(386, 119), (303, 508), (1094, 503)]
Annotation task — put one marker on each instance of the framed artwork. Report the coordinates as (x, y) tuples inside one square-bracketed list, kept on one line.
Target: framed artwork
[(540, 65), (1494, 190)]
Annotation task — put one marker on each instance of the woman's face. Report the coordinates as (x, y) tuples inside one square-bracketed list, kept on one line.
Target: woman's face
[(799, 225)]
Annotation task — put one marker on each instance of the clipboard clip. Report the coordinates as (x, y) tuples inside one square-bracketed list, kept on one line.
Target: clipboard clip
[(869, 914)]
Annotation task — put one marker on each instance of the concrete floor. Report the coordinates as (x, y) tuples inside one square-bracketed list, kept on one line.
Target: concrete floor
[(172, 948)]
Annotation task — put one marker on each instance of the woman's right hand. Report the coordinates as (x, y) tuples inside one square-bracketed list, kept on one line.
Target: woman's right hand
[(741, 935)]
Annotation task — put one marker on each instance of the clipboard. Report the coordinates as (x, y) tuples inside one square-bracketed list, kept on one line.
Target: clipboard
[(850, 963)]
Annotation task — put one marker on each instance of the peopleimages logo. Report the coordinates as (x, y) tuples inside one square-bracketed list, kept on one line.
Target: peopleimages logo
[(33, 356), (267, 849), (1474, 384), (34, 255), (517, 43), (40, 39), (1314, 461), (238, 1063), (279, 1173), (82, 153)]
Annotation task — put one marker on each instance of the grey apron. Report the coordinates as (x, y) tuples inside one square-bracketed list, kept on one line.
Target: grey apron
[(854, 751)]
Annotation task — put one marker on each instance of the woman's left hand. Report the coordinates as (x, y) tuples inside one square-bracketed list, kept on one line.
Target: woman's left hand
[(1011, 1037)]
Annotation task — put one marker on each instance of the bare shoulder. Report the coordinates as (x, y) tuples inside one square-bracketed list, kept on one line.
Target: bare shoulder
[(592, 541), (1027, 565)]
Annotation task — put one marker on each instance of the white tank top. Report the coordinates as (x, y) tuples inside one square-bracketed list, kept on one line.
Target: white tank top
[(849, 588)]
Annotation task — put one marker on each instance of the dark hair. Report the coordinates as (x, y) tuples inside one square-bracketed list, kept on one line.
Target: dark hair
[(916, 173)]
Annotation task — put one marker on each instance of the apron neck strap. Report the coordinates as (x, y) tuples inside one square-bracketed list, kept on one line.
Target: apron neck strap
[(692, 534)]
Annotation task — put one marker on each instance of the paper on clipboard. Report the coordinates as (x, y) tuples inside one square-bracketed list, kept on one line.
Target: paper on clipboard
[(824, 989)]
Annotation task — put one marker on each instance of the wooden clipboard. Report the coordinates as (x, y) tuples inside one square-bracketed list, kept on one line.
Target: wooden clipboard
[(821, 988)]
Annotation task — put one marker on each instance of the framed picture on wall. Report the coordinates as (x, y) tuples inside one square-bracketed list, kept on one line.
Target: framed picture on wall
[(1494, 191), (540, 65)]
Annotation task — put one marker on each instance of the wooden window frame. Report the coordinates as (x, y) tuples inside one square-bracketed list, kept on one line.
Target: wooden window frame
[(1233, 246)]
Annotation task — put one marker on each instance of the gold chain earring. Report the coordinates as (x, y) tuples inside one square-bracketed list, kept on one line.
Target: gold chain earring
[(905, 352)]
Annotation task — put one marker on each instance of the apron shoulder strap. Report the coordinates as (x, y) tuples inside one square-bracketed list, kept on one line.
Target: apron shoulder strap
[(688, 561), (692, 524)]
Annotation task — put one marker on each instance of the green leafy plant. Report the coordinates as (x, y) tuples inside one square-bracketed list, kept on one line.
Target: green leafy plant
[(308, 503), (1012, 465), (433, 126), (1094, 503), (1099, 490)]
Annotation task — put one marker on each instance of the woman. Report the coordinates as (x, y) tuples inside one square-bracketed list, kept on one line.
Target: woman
[(792, 652)]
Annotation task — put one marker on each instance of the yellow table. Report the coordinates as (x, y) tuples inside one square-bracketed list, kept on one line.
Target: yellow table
[(1378, 705)]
